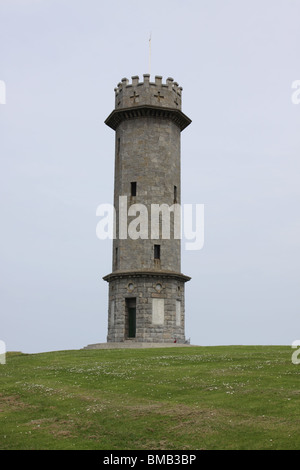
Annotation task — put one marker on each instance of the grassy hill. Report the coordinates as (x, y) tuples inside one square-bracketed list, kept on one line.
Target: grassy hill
[(231, 397)]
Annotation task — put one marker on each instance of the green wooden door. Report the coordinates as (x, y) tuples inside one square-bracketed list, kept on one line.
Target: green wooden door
[(131, 322)]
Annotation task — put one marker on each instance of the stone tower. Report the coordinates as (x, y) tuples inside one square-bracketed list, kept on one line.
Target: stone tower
[(146, 286)]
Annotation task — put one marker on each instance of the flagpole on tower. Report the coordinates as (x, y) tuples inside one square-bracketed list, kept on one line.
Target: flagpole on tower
[(150, 54)]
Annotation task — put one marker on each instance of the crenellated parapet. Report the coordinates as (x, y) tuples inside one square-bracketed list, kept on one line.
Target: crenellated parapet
[(148, 99), (136, 93)]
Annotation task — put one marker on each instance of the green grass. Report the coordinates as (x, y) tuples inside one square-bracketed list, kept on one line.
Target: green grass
[(229, 397)]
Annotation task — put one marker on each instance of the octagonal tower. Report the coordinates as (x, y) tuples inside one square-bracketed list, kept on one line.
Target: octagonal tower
[(146, 286)]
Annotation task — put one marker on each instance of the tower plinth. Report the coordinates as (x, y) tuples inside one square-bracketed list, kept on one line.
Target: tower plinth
[(146, 286)]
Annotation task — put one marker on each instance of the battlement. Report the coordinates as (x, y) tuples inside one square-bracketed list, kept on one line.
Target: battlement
[(165, 95)]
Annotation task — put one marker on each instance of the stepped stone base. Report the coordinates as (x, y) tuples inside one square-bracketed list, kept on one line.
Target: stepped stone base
[(133, 345)]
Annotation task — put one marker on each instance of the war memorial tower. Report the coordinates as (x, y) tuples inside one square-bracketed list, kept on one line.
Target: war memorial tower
[(146, 286)]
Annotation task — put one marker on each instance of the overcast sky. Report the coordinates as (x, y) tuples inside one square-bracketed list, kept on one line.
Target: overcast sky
[(236, 61)]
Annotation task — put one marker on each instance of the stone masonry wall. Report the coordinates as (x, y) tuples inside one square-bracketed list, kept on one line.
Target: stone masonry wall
[(144, 291), (148, 153)]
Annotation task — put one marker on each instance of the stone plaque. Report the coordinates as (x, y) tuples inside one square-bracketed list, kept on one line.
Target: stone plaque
[(158, 311)]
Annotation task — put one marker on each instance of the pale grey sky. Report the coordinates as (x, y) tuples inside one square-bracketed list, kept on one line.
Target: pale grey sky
[(236, 61)]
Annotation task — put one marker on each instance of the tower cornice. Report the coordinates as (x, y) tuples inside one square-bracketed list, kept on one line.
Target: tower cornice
[(175, 115), (151, 274)]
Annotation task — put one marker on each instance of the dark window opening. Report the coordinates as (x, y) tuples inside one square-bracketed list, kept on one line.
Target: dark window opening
[(116, 257), (133, 188), (117, 162), (156, 251), (130, 318), (175, 194)]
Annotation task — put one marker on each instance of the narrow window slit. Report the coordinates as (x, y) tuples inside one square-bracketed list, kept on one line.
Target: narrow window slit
[(156, 251), (133, 188)]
